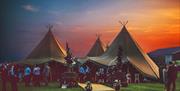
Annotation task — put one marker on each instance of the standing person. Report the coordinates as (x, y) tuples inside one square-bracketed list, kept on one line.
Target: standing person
[(172, 76), (165, 74), (117, 85), (27, 76), (88, 86), (87, 73), (46, 74), (20, 73), (128, 77), (36, 75), (81, 73), (101, 71), (97, 76), (14, 77), (165, 80), (136, 80), (4, 76)]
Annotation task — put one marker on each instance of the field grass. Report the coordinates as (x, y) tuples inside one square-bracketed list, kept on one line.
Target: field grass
[(150, 86), (178, 62), (131, 87), (51, 87), (144, 87)]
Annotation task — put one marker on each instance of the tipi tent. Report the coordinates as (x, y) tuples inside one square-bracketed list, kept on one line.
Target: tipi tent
[(97, 49), (132, 52), (48, 49)]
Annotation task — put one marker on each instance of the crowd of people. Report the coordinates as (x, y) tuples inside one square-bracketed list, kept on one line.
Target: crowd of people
[(14, 73), (41, 75), (108, 75)]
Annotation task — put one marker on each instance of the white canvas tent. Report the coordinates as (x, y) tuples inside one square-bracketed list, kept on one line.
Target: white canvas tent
[(48, 49), (97, 49), (132, 52)]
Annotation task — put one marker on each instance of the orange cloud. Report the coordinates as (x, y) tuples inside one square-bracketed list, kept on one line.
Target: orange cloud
[(154, 24)]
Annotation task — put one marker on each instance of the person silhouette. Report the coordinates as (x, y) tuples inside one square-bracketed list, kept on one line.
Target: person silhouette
[(4, 74), (88, 86), (172, 76)]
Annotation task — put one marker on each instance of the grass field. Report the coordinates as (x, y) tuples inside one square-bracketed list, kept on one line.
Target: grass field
[(178, 62), (150, 86), (131, 87)]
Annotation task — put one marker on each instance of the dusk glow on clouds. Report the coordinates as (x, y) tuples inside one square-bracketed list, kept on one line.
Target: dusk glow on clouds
[(153, 23)]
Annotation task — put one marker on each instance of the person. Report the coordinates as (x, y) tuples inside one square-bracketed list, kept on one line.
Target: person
[(101, 71), (82, 72), (36, 75), (128, 77), (87, 70), (13, 76), (4, 77), (20, 73), (88, 86), (27, 76), (117, 85), (46, 74), (97, 76), (64, 84), (102, 75), (172, 76), (87, 74), (136, 80), (164, 72)]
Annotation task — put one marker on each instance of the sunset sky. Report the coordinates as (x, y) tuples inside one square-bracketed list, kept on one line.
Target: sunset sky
[(154, 24)]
